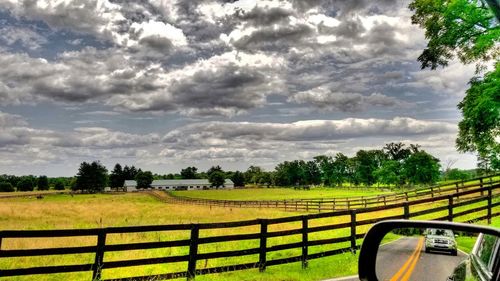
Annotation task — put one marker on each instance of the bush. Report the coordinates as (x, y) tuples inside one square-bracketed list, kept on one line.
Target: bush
[(25, 185), (59, 186), (6, 187)]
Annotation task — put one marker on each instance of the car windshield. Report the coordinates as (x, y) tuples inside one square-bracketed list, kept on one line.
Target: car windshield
[(440, 232)]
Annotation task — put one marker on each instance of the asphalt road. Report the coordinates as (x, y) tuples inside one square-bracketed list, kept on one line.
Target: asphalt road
[(406, 260)]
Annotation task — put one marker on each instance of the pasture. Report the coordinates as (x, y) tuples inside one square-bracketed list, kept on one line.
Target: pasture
[(278, 193), (105, 210)]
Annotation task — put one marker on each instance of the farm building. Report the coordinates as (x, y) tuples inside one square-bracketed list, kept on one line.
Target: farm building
[(131, 185)]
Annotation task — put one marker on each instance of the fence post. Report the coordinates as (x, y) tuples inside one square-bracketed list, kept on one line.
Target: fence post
[(263, 245), (432, 192), (319, 206), (450, 207), (406, 196), (489, 204), (307, 206), (348, 204), (481, 186), (305, 229), (406, 209), (193, 252), (99, 255), (353, 231)]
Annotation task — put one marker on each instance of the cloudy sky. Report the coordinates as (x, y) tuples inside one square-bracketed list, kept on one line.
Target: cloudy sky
[(163, 84)]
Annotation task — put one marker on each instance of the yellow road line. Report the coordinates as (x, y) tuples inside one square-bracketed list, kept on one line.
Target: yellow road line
[(409, 261), (408, 273)]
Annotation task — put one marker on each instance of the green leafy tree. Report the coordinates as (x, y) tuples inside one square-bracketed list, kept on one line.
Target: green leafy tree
[(189, 173), (6, 187), (468, 30), (421, 168), (340, 170), (214, 169), (456, 174), (480, 128), (388, 173), (129, 173), (238, 178), (116, 178), (42, 183), (144, 179), (252, 174), (216, 178), (265, 178), (463, 28), (91, 177), (59, 185), (25, 184)]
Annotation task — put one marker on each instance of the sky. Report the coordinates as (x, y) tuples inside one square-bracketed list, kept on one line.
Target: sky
[(163, 84)]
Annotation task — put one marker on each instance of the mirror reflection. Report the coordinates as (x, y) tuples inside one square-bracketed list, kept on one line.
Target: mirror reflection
[(436, 254)]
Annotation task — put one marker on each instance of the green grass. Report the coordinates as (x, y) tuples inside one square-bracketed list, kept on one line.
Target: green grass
[(278, 193)]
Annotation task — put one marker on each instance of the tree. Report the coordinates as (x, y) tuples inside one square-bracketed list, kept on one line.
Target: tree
[(479, 129), (456, 174), (189, 173), (116, 178), (59, 185), (265, 179), (25, 185), (367, 162), (43, 183), (129, 173), (467, 29), (388, 173), (144, 179), (238, 178), (91, 177), (462, 28), (216, 178), (214, 169), (252, 174), (6, 187), (421, 168)]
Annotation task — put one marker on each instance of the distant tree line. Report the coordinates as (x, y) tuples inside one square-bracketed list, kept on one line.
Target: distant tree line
[(394, 164), (11, 183)]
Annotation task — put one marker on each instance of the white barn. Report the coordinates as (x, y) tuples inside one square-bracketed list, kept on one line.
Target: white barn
[(195, 184)]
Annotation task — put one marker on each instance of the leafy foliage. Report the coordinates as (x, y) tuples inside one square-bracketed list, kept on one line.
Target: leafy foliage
[(462, 28), (91, 177), (25, 184), (238, 178), (59, 185), (421, 167), (189, 173), (144, 179), (6, 187), (480, 127), (43, 183), (216, 178)]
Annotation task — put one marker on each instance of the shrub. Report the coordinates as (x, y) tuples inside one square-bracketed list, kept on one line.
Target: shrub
[(6, 187), (59, 186)]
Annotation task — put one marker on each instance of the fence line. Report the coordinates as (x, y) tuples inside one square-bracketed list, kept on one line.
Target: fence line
[(468, 197), (325, 205)]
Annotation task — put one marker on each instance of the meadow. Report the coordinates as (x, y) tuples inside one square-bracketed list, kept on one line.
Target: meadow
[(279, 193), (104, 210)]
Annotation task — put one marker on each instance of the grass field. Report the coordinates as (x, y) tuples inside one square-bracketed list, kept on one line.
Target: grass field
[(278, 193), (102, 210)]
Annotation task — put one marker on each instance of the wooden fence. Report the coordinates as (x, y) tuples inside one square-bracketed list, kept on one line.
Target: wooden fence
[(333, 204), (445, 204)]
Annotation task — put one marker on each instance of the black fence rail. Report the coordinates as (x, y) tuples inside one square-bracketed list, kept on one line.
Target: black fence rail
[(326, 205), (480, 200)]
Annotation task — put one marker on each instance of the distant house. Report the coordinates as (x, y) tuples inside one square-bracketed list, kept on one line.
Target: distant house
[(198, 184)]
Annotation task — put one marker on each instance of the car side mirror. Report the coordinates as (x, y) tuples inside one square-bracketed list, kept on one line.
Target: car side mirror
[(400, 249)]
